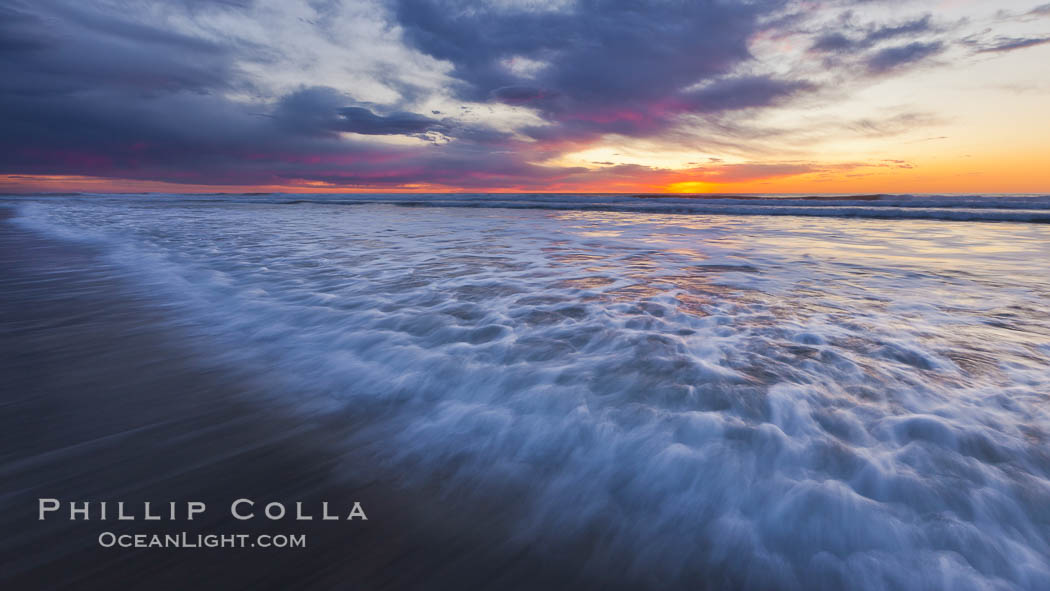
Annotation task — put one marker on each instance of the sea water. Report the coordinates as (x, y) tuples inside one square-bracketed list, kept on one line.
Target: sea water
[(782, 392)]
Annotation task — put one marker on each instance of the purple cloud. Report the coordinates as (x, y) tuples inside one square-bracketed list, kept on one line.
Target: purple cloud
[(609, 67), (86, 89), (892, 58)]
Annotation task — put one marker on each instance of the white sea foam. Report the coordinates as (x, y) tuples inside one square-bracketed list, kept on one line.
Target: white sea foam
[(779, 402)]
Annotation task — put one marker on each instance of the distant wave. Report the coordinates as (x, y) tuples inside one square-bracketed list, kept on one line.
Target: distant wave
[(958, 208), (982, 208)]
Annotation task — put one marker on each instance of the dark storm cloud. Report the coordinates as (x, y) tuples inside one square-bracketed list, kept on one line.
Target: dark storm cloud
[(114, 90), (620, 67), (92, 93), (195, 138), (96, 94), (66, 48), (310, 111), (363, 121), (90, 90), (15, 37), (520, 95), (324, 111)]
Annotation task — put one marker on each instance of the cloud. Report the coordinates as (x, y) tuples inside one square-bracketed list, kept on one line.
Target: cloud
[(875, 49), (67, 48), (428, 93), (1041, 11), (608, 67), (834, 43), (1004, 44), (892, 58), (321, 110), (912, 27), (894, 125), (95, 93), (363, 121), (743, 92), (856, 38), (520, 95), (753, 171)]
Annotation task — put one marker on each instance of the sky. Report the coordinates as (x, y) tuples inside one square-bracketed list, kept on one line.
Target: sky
[(753, 96)]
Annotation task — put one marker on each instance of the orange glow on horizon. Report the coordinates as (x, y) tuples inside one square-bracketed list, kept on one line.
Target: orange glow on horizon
[(1002, 174), (688, 187)]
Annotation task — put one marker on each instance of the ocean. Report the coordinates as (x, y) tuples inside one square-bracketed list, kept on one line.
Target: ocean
[(725, 392)]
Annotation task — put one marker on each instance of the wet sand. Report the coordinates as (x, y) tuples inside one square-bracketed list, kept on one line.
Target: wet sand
[(99, 405)]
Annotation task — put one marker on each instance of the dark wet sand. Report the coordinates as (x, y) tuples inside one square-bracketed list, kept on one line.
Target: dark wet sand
[(99, 404)]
